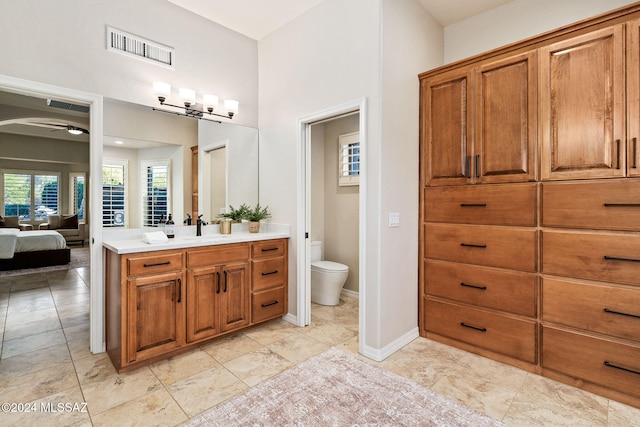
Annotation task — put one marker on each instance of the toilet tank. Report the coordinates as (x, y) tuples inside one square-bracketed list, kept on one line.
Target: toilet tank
[(316, 251)]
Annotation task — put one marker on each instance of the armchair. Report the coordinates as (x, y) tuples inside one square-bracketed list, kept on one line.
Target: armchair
[(67, 225)]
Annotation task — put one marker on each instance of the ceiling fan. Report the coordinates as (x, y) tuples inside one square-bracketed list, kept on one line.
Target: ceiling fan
[(74, 130)]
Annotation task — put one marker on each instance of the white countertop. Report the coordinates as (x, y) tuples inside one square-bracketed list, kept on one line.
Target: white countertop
[(130, 241)]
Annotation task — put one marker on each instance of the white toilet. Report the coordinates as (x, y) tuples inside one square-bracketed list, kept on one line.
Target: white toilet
[(327, 277)]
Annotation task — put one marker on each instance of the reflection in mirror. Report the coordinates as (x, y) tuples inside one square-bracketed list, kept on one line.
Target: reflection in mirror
[(228, 175)]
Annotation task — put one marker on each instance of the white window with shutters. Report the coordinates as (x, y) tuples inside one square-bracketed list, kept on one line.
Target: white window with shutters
[(156, 186), (349, 159), (30, 195), (114, 192), (77, 193)]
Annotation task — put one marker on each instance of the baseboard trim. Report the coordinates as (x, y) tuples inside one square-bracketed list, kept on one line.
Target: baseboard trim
[(380, 354), (350, 294), (291, 319)]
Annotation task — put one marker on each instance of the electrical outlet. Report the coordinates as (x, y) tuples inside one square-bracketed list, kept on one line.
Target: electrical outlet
[(394, 219)]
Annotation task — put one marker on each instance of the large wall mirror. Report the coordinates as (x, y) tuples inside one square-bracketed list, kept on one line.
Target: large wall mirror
[(147, 146)]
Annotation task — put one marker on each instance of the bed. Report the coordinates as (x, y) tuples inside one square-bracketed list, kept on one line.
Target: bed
[(31, 249)]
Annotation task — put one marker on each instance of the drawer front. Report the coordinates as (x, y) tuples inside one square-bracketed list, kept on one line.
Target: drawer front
[(268, 305), (604, 205), (504, 335), (268, 248), (154, 262), (268, 273), (598, 308), (505, 290), (607, 258), (514, 204), (505, 247), (604, 362), (216, 255)]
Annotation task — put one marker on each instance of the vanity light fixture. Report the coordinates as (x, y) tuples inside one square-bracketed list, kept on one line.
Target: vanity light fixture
[(191, 109)]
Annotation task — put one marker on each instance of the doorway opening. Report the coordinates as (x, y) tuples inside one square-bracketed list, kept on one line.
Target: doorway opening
[(323, 204)]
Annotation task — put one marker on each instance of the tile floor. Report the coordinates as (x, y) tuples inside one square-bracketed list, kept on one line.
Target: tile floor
[(44, 338)]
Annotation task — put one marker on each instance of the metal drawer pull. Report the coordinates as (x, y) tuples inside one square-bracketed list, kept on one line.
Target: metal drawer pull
[(226, 279), (611, 365), (618, 154), (269, 304), (635, 153), (473, 205), (482, 288), (477, 165), (468, 167), (614, 258), (606, 310), (469, 245), (622, 205), (473, 327), (218, 288), (270, 273), (157, 264), (269, 249), (179, 290)]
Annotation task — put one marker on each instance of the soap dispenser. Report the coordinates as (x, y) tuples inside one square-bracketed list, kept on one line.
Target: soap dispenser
[(170, 228)]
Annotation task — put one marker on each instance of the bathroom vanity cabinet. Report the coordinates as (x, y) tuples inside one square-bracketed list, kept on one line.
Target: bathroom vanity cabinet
[(162, 302)]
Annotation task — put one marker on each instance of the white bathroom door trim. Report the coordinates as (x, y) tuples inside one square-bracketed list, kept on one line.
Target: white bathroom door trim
[(303, 240)]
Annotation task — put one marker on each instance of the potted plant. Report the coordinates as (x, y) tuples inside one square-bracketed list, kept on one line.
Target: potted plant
[(255, 215), (236, 215)]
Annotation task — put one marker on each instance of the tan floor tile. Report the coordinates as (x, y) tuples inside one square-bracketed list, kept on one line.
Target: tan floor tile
[(231, 347), (546, 402), (153, 409), (32, 316), (34, 361), (47, 412), (36, 385), (271, 331), (79, 349), (206, 389), (36, 282), (182, 366), (31, 343), (621, 415), (31, 328), (297, 348), (328, 332), (77, 333), (257, 366), (28, 305), (74, 319)]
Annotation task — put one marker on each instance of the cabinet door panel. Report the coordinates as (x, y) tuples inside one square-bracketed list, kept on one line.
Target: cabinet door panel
[(203, 316), (235, 296), (582, 98), (446, 127), (633, 97), (154, 304), (506, 120)]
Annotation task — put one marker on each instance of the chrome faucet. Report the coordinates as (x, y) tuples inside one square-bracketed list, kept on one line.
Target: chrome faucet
[(199, 224)]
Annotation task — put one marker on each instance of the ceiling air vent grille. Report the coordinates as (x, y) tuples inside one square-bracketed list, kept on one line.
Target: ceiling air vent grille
[(138, 47)]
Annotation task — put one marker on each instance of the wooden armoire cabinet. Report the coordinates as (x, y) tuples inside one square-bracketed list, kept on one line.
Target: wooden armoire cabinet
[(530, 204)]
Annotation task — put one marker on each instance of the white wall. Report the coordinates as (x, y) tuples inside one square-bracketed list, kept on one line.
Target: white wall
[(63, 43), (329, 56), (518, 20)]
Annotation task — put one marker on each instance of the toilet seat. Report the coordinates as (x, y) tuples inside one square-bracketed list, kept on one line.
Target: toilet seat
[(329, 266)]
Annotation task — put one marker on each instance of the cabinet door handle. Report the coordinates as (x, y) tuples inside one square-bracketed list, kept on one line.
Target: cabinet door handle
[(225, 281), (477, 165), (473, 205), (473, 327), (615, 258), (179, 290), (470, 245), (270, 273), (622, 368), (617, 154), (218, 288), (269, 249), (622, 205), (157, 264), (606, 310), (634, 142), (467, 167), (466, 285), (269, 304)]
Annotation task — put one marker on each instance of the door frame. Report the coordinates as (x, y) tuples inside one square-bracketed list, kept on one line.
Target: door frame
[(95, 102), (303, 241)]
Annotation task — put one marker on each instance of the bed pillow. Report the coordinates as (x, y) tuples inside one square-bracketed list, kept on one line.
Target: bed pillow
[(53, 221), (69, 222), (10, 222), (1, 221)]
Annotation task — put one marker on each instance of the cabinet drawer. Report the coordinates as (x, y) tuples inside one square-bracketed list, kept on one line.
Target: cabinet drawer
[(267, 305), (514, 204), (505, 247), (505, 290), (603, 205), (268, 248), (603, 257), (606, 362), (501, 334), (268, 273), (212, 255), (598, 308), (155, 262)]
